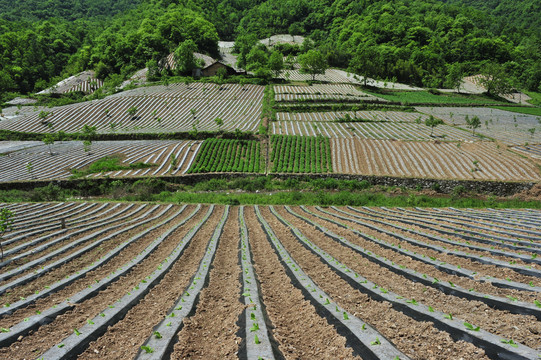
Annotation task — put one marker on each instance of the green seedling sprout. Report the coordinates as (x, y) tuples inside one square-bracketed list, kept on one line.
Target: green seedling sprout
[(376, 342), (509, 342), (157, 335), (256, 340), (346, 317), (77, 332), (147, 349), (448, 316), (471, 327), (254, 327)]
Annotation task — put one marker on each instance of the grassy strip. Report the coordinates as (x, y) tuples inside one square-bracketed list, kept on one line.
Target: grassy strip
[(536, 97), (262, 190), (432, 97), (108, 163), (520, 109), (342, 198)]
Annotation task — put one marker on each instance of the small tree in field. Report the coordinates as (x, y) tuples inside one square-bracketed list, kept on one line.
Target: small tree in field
[(473, 123), (48, 140), (313, 63), (219, 122), (432, 122), (88, 132), (6, 224), (532, 131)]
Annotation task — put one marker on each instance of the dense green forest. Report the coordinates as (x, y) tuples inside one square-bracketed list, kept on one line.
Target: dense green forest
[(421, 42)]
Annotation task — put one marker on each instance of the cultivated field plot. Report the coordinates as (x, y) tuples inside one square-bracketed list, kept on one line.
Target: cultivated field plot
[(175, 108), (142, 281), (300, 154), (226, 155), (320, 92), (37, 163), (443, 160), (506, 126), (389, 116), (371, 130), (531, 150)]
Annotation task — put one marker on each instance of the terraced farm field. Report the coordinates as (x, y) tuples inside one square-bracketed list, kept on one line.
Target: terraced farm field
[(175, 108), (143, 281), (225, 155), (300, 154), (37, 163), (508, 127), (443, 160), (319, 92), (371, 130)]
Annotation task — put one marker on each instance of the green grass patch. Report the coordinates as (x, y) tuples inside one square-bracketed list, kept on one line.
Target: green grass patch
[(341, 198), (521, 109), (427, 97), (535, 97), (108, 163)]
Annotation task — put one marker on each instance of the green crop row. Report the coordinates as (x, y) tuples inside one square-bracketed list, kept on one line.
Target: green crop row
[(228, 155), (300, 154)]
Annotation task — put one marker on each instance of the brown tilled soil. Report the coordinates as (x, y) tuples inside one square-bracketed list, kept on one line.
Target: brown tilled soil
[(419, 340), (300, 332), (211, 332), (101, 272), (522, 328), (51, 334)]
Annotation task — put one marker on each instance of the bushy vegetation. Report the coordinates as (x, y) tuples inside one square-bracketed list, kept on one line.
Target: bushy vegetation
[(423, 42), (300, 154), (227, 155), (108, 163)]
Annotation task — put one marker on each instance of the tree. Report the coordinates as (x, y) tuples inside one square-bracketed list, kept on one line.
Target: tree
[(432, 122), (473, 123), (6, 224), (276, 63), (495, 80), (219, 122), (48, 140), (313, 63), (365, 63), (185, 60), (455, 75), (89, 132), (132, 111)]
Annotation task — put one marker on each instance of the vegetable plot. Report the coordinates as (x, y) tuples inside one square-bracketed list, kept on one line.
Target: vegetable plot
[(443, 160), (226, 155), (139, 158), (300, 154), (126, 281), (176, 108)]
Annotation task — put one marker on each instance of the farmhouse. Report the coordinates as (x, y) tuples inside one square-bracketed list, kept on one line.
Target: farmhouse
[(208, 65)]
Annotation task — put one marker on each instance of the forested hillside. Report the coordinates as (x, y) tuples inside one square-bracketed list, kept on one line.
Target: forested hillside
[(421, 42), (65, 9)]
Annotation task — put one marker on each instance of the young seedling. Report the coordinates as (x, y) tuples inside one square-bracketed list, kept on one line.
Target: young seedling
[(254, 327), (448, 316), (77, 332), (471, 327), (157, 335), (509, 342), (147, 349), (376, 342), (256, 340)]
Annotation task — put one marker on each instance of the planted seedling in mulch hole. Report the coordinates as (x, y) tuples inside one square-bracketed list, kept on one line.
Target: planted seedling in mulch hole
[(471, 327), (509, 342), (77, 332), (448, 316), (256, 340), (346, 317), (157, 334), (537, 303), (254, 327), (376, 342), (147, 349)]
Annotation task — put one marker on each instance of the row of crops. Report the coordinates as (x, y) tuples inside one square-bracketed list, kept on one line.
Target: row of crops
[(144, 281), (300, 154), (226, 155)]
